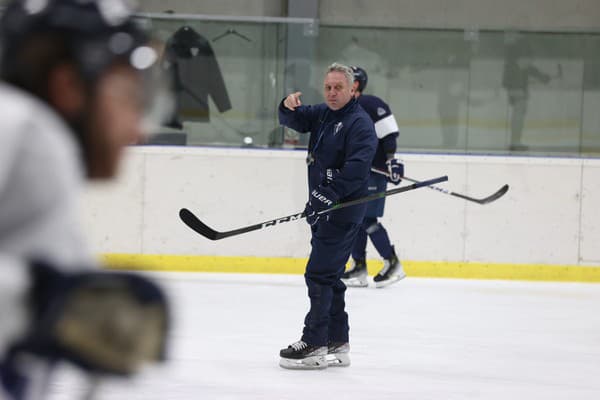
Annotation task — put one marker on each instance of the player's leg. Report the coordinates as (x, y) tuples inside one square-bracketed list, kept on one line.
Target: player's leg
[(331, 247), (338, 347), (356, 275), (392, 270)]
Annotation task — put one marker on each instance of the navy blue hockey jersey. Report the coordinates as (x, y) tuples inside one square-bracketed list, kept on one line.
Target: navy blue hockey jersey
[(343, 141), (385, 127)]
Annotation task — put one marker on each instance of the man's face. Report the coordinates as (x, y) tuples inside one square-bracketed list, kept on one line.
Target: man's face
[(115, 121), (336, 90)]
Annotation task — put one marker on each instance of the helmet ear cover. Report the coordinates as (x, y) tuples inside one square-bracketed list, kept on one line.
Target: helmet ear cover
[(360, 76)]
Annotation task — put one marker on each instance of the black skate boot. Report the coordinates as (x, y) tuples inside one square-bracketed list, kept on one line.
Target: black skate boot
[(337, 354), (356, 276), (301, 355), (392, 271)]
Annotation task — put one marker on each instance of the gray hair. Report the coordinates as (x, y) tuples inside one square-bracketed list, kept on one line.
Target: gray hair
[(344, 69)]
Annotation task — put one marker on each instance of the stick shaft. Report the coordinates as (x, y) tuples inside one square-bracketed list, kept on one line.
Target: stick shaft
[(495, 196), (193, 222)]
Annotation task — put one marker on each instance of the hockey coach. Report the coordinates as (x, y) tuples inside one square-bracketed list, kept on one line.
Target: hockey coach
[(341, 147)]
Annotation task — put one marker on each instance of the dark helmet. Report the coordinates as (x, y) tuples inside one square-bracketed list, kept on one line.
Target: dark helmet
[(360, 76), (38, 36), (89, 33)]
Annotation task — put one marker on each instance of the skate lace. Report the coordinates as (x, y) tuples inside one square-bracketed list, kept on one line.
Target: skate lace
[(299, 345)]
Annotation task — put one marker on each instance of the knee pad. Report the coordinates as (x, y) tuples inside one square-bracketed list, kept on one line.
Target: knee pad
[(371, 225)]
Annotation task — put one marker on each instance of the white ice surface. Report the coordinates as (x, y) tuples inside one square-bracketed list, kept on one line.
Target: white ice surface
[(418, 339)]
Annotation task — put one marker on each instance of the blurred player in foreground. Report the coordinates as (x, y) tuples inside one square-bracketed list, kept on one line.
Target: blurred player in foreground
[(76, 76)]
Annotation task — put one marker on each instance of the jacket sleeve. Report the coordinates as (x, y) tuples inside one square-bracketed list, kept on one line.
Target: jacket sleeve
[(388, 143), (386, 126), (301, 119), (216, 84), (360, 150)]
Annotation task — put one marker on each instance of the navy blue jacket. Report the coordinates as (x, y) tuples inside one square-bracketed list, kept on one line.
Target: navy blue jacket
[(341, 141), (385, 127)]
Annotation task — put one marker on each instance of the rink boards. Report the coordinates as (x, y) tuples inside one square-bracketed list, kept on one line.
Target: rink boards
[(544, 228)]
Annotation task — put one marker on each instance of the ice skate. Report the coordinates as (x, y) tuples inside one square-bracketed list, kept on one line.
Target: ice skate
[(337, 354), (301, 355), (356, 276), (392, 272)]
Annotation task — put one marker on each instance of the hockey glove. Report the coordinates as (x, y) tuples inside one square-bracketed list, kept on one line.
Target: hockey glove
[(104, 322), (395, 171), (320, 199)]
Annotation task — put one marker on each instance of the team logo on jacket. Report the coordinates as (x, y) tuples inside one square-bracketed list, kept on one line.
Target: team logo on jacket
[(380, 111), (337, 127)]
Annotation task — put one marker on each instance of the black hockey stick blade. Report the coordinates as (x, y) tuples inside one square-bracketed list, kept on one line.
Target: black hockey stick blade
[(200, 227), (493, 197), (194, 223)]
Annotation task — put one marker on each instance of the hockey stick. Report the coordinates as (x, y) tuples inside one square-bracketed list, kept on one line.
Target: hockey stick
[(493, 197), (194, 223)]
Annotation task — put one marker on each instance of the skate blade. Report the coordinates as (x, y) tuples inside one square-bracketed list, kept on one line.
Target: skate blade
[(338, 360), (315, 362), (356, 282), (388, 282)]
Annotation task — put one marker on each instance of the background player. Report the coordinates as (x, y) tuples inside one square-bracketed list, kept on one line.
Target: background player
[(387, 133)]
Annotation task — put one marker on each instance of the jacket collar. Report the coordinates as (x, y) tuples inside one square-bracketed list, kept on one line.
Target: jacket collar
[(344, 109)]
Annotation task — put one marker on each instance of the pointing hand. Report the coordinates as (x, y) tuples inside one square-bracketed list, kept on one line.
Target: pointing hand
[(292, 101)]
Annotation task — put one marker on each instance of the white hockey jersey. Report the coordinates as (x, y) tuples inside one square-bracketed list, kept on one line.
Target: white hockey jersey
[(41, 178)]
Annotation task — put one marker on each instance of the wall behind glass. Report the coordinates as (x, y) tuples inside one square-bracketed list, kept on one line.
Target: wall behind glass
[(479, 92), (452, 91)]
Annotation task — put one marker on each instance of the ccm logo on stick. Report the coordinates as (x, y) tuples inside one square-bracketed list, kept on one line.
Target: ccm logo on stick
[(284, 219)]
